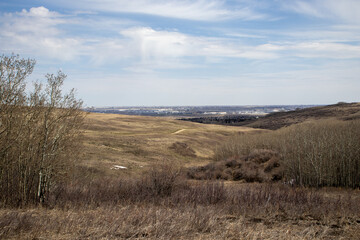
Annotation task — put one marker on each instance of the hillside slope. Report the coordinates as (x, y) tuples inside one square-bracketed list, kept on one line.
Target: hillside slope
[(341, 111), (138, 142)]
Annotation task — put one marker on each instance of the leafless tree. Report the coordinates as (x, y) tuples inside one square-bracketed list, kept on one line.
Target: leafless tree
[(39, 132)]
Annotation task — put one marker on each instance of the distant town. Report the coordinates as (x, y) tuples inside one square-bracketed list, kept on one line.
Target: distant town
[(198, 111)]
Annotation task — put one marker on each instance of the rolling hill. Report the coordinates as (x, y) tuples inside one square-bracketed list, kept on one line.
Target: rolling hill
[(137, 142), (341, 111)]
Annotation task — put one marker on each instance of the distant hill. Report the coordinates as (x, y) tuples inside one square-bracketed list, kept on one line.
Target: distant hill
[(341, 111)]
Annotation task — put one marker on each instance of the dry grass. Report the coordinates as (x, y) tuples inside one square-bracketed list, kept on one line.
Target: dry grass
[(138, 142), (123, 209), (160, 203), (152, 222)]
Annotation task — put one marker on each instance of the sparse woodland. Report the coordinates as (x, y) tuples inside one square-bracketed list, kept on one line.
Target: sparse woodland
[(38, 133), (44, 196), (313, 154)]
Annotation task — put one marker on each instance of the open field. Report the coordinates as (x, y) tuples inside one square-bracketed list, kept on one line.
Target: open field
[(132, 182), (138, 142)]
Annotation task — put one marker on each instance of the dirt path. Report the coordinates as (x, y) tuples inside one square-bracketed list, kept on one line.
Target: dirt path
[(179, 131)]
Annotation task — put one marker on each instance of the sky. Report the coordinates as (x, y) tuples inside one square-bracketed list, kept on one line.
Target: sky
[(191, 52)]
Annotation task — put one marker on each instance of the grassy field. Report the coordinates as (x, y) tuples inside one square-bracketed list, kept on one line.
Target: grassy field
[(153, 198), (138, 142)]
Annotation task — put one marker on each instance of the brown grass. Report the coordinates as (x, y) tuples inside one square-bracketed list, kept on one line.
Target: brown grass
[(138, 142), (161, 205), (158, 202), (152, 222)]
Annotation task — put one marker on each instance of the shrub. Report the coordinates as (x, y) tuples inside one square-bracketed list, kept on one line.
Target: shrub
[(261, 165), (318, 153), (183, 149)]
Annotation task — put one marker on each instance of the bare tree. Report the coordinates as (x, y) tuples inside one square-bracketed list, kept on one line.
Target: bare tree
[(39, 133)]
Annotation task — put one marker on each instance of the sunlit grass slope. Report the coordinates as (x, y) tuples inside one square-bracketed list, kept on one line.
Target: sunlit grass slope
[(138, 142)]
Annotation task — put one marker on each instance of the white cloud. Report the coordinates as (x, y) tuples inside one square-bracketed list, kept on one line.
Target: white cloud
[(314, 49), (38, 12), (319, 84), (36, 32), (152, 45), (326, 50), (41, 32), (345, 10), (202, 10)]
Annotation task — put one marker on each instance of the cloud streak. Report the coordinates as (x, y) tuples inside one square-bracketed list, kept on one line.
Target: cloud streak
[(43, 32), (346, 10), (152, 59), (199, 10)]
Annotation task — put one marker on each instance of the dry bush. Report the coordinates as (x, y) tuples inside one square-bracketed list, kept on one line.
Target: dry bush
[(161, 204), (319, 153), (260, 165), (183, 149), (167, 187), (243, 144), (207, 210), (159, 182), (323, 153)]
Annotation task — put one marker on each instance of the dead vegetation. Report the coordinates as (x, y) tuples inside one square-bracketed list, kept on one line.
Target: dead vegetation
[(183, 149), (316, 154), (39, 133), (260, 165), (163, 205)]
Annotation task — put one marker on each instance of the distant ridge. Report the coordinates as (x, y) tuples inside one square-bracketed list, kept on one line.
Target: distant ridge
[(341, 111)]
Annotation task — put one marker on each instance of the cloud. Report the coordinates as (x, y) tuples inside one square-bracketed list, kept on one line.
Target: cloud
[(38, 12), (36, 32), (201, 10), (345, 10), (48, 34), (326, 50), (41, 32), (338, 33), (314, 49), (321, 84), (150, 44)]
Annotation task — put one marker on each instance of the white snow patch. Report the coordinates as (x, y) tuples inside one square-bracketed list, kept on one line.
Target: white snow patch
[(117, 167)]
